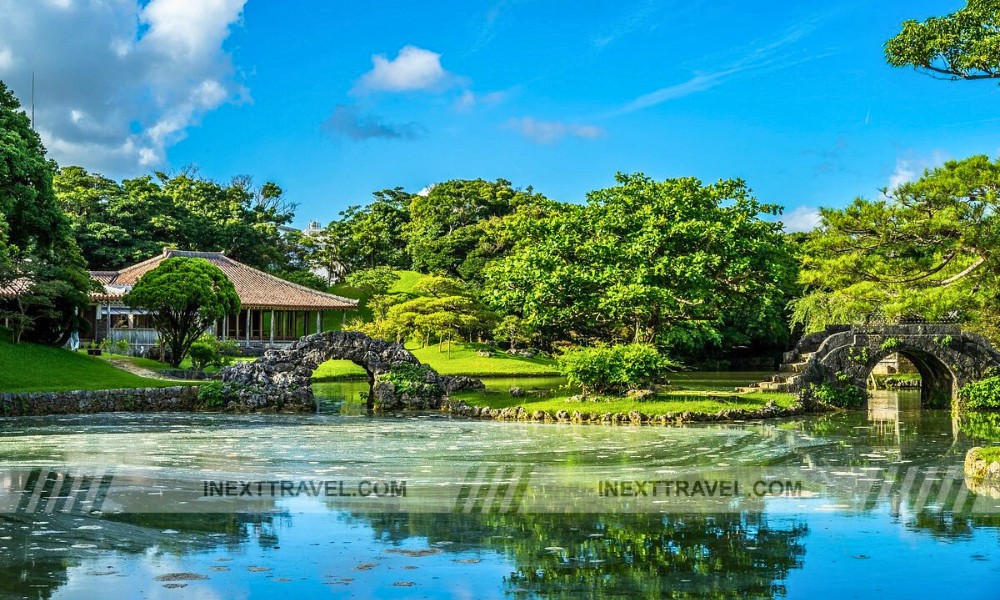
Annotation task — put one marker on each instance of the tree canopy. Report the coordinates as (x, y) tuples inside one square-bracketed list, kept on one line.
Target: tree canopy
[(962, 45), (185, 296), (645, 261), (118, 224), (926, 249), (37, 249)]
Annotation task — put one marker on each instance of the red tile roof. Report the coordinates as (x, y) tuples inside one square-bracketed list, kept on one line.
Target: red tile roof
[(255, 288)]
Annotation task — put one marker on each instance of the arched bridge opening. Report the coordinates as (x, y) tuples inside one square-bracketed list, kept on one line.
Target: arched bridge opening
[(945, 356), (283, 378)]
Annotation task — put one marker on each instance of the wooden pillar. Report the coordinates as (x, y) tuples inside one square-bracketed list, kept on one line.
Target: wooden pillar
[(272, 326), (319, 321), (109, 321), (225, 327), (248, 326)]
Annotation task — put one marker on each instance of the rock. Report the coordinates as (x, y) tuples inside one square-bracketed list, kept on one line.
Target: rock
[(517, 392)]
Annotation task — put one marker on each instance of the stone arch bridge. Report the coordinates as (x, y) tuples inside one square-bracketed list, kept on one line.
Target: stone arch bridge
[(280, 379), (946, 357)]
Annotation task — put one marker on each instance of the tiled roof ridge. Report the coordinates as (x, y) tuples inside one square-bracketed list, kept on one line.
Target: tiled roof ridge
[(297, 286)]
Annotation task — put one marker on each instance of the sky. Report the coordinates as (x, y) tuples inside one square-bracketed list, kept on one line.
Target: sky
[(333, 100)]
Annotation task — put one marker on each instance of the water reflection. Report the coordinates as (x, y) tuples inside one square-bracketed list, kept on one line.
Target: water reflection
[(887, 510)]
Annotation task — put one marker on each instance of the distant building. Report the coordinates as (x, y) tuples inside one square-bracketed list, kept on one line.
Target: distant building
[(274, 312)]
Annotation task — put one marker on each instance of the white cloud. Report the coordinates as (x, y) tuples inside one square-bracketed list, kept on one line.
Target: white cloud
[(911, 167), (469, 99), (114, 95), (758, 57), (413, 69), (904, 172), (801, 218), (698, 83), (426, 190), (550, 132), (6, 59)]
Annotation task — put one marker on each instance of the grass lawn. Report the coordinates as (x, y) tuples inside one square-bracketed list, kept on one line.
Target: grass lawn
[(464, 360), (32, 368), (667, 402), (404, 286), (155, 365)]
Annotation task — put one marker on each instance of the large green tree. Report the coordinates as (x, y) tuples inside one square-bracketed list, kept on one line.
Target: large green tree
[(447, 224), (117, 224), (39, 252), (185, 296), (962, 45), (646, 261), (926, 249)]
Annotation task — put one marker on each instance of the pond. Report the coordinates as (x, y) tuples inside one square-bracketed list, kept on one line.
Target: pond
[(870, 503)]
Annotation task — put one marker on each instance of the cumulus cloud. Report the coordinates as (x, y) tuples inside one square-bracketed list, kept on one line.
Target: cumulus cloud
[(118, 81), (550, 132), (413, 69), (801, 218), (350, 122)]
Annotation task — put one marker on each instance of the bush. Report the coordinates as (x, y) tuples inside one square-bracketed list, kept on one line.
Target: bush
[(843, 396), (211, 395), (981, 395), (614, 369), (411, 379), (210, 351)]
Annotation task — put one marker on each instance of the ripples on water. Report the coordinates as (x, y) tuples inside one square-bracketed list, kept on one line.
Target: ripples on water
[(922, 535)]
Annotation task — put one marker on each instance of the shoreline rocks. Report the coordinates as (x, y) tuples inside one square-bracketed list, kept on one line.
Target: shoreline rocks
[(175, 398)]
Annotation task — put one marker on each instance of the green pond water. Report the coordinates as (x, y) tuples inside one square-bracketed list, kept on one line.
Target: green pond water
[(862, 504)]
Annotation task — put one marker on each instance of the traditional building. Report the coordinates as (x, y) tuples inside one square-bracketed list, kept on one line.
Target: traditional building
[(274, 312)]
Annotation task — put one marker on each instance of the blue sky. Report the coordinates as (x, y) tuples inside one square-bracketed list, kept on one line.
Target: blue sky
[(334, 100)]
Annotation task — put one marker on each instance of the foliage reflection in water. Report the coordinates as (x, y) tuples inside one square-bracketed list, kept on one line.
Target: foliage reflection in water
[(793, 546)]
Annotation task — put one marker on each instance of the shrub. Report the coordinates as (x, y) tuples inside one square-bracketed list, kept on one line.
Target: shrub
[(210, 351), (411, 379), (614, 369), (981, 395), (842, 396), (211, 395)]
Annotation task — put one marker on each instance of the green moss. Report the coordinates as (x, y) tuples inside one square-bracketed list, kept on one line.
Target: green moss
[(989, 454)]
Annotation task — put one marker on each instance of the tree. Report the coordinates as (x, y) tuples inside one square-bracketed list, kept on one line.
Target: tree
[(185, 296), (447, 224), (442, 308), (962, 45), (926, 249), (373, 282), (647, 262), (37, 235)]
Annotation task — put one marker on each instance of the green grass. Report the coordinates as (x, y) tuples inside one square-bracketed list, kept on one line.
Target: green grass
[(989, 454), (155, 365), (404, 285), (464, 360), (32, 368), (666, 402), (899, 377)]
